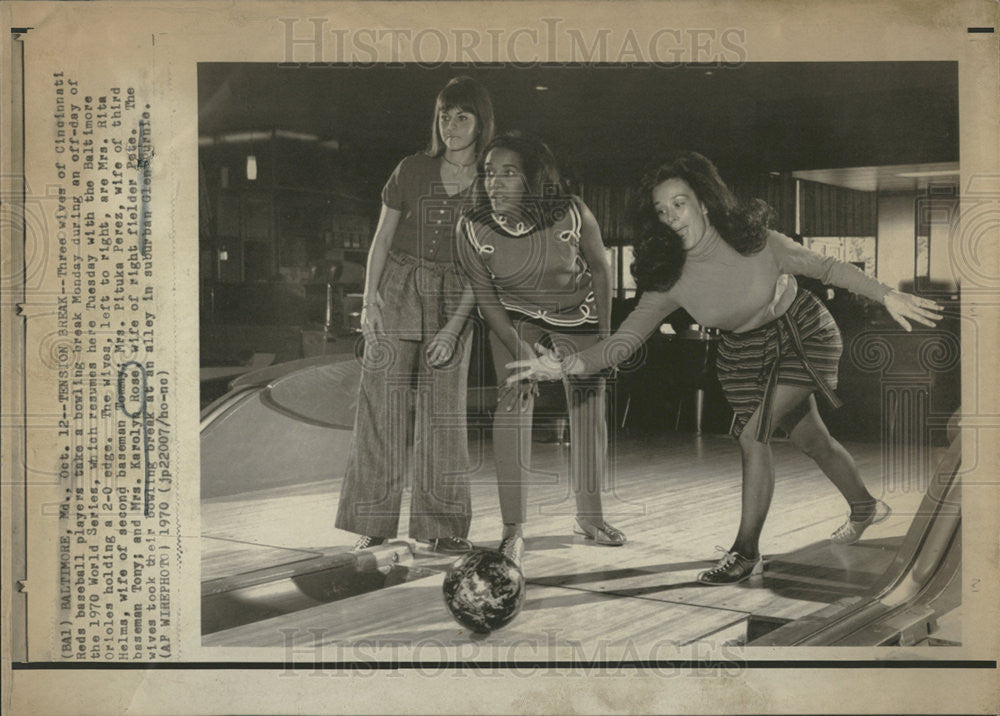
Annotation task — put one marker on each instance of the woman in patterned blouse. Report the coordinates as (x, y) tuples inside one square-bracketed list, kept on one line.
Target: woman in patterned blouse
[(535, 258)]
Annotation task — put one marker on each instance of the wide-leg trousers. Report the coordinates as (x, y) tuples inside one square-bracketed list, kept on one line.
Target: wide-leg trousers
[(402, 396)]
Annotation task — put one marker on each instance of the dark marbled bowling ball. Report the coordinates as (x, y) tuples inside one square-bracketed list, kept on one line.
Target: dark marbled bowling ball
[(484, 590)]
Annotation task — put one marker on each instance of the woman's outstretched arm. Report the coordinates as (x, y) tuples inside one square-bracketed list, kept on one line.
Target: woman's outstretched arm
[(653, 307), (903, 307)]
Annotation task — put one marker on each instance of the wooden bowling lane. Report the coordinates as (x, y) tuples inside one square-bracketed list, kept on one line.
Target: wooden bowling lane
[(794, 584), (296, 516), (258, 594), (414, 614), (689, 499), (225, 557), (676, 496)]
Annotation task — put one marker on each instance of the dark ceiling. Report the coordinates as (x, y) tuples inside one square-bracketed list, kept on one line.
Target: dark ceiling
[(612, 122)]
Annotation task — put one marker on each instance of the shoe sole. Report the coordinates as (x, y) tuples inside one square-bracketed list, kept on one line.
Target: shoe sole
[(884, 517), (431, 548), (355, 548), (516, 559), (848, 542), (579, 531), (877, 520), (758, 570)]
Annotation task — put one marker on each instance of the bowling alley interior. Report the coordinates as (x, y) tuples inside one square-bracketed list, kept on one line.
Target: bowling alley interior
[(859, 161)]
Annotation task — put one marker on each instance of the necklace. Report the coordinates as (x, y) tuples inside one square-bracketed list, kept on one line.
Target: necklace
[(456, 164)]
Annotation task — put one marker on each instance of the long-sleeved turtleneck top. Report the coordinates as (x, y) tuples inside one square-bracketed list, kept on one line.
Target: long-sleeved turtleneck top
[(724, 289)]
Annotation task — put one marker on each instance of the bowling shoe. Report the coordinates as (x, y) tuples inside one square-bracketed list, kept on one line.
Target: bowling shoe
[(450, 545), (851, 531), (733, 568), (512, 548), (366, 541), (605, 534)]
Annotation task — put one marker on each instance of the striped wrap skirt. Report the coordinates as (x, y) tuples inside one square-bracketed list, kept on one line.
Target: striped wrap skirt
[(800, 348)]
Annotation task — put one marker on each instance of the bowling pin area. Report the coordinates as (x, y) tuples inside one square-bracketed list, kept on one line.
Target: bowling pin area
[(276, 573)]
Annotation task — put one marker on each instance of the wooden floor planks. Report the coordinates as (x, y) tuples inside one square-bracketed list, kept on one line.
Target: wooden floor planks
[(226, 557), (414, 613), (676, 496)]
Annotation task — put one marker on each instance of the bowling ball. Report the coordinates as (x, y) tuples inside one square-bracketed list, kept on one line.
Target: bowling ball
[(484, 590)]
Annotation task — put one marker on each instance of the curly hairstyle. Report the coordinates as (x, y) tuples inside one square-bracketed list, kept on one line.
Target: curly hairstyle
[(470, 96), (659, 251), (547, 198)]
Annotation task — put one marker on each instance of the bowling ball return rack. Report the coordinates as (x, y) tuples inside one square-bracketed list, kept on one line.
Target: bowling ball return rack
[(259, 594)]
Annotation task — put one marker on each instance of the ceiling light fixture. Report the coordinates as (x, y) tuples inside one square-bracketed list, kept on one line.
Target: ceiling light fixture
[(238, 137), (937, 173), (302, 136)]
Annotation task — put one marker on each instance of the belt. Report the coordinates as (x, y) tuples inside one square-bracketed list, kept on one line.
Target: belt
[(785, 323)]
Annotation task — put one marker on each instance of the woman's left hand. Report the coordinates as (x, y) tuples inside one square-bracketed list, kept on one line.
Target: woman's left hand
[(440, 348), (545, 366), (902, 306)]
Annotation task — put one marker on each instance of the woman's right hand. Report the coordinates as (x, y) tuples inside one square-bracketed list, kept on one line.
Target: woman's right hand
[(545, 365), (525, 351), (371, 321)]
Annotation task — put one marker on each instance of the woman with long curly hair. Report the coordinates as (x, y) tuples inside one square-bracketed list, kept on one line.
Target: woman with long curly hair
[(702, 250), (536, 261)]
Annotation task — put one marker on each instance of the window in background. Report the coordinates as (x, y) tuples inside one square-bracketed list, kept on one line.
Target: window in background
[(628, 283), (858, 250), (620, 258), (922, 267)]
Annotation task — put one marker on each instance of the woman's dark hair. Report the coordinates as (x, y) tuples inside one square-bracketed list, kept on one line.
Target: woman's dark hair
[(657, 259), (659, 251), (547, 198), (470, 96)]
